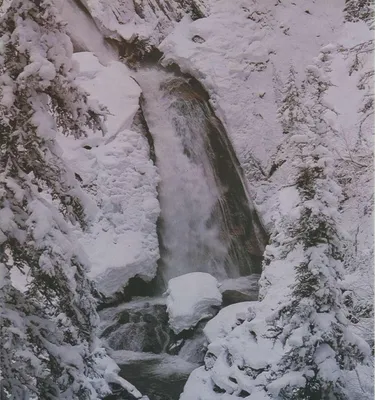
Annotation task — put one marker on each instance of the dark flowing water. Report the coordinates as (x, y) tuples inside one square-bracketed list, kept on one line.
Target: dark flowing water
[(143, 375)]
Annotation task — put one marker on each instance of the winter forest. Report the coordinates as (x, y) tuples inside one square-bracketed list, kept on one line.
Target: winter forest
[(186, 199)]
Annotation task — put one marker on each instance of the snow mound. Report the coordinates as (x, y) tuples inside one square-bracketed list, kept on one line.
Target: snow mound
[(191, 298), (120, 179), (227, 318)]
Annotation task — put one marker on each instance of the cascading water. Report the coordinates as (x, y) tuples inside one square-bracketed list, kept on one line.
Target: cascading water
[(206, 222)]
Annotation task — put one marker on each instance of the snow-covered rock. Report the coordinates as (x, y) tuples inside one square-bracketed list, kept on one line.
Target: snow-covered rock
[(83, 31), (191, 298), (120, 179), (225, 321), (240, 289), (148, 20)]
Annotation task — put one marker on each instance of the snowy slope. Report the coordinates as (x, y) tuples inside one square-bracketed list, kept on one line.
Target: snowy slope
[(117, 173), (243, 66)]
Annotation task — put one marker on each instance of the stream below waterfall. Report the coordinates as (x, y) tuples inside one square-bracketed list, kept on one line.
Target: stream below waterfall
[(207, 224), (151, 357)]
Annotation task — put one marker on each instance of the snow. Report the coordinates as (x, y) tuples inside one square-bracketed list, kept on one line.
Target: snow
[(243, 60), (83, 30), (4, 6), (224, 322), (113, 87), (290, 378), (249, 60), (288, 199), (150, 21), (226, 358), (191, 298), (166, 364), (110, 371), (116, 171)]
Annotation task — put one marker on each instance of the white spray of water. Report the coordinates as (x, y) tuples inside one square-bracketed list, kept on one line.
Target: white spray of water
[(188, 190)]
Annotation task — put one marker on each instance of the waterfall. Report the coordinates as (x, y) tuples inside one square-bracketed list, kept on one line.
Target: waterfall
[(207, 223)]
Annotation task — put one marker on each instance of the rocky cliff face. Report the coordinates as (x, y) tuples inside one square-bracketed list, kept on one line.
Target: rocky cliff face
[(146, 20)]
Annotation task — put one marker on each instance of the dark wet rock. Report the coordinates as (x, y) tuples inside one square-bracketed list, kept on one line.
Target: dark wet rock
[(136, 287), (140, 125), (137, 326), (193, 344), (197, 39), (241, 289)]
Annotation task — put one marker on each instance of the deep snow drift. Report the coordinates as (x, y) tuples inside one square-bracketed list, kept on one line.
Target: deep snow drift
[(120, 179)]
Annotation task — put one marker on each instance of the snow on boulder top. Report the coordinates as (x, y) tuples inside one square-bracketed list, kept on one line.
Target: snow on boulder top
[(229, 317), (191, 298)]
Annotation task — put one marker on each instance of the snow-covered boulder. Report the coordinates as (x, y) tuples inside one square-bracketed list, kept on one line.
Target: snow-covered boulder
[(227, 319), (191, 298)]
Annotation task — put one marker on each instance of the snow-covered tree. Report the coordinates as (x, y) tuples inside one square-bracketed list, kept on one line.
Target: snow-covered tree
[(356, 10), (296, 343), (316, 336), (291, 112), (48, 347), (292, 115)]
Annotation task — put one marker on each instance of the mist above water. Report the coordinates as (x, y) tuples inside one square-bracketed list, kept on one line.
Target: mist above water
[(206, 221)]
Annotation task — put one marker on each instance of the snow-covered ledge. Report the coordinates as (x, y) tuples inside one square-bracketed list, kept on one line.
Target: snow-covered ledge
[(119, 178)]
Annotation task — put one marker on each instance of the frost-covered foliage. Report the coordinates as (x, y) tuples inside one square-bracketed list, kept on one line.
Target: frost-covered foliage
[(312, 327), (298, 342), (48, 347), (291, 112), (356, 10)]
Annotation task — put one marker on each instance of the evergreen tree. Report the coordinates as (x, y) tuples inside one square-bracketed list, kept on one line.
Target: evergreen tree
[(356, 10), (291, 112), (292, 115), (48, 347), (318, 342)]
